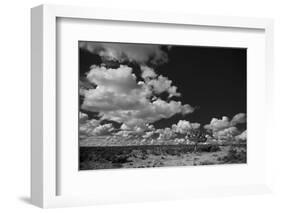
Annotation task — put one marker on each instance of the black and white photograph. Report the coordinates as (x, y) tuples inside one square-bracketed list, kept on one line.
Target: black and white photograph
[(160, 105)]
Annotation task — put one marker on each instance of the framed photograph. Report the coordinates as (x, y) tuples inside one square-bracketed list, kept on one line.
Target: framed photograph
[(149, 106)]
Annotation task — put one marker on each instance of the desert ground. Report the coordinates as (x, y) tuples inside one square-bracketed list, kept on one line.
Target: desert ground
[(145, 156)]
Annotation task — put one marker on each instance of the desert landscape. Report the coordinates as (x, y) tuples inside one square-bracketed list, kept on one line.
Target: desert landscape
[(145, 156)]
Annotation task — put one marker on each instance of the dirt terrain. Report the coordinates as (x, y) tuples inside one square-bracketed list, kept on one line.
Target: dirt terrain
[(110, 157)]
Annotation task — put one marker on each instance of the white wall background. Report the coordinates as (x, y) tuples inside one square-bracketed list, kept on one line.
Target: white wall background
[(15, 99)]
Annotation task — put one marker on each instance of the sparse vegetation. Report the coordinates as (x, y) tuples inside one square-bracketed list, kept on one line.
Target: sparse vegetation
[(206, 163), (197, 136), (157, 156), (234, 155)]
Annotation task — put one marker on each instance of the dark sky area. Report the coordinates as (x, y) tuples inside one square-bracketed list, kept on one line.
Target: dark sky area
[(213, 80)]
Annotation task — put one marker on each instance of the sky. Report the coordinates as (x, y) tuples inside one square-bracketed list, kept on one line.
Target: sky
[(150, 87)]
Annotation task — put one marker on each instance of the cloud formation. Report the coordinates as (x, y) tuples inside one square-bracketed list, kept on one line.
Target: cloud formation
[(225, 129), (147, 72), (140, 54), (105, 129), (82, 117), (220, 124), (86, 127), (165, 134), (92, 127), (120, 80), (184, 127), (226, 134), (119, 97), (242, 136), (238, 119), (135, 96), (158, 83), (162, 84)]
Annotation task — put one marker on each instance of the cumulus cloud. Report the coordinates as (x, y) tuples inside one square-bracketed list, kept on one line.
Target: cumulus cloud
[(238, 119), (116, 89), (140, 128), (83, 117), (130, 133), (147, 113), (102, 99), (93, 127), (165, 134), (163, 84), (119, 97), (225, 129), (105, 129), (120, 80), (225, 122), (218, 124), (176, 134), (86, 126), (184, 126), (147, 72), (158, 84), (148, 134), (242, 136), (226, 134), (125, 127), (140, 54)]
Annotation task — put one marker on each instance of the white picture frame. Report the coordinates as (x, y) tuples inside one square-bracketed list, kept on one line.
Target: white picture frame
[(44, 149)]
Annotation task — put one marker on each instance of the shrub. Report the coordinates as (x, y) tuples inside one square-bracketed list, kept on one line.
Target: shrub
[(206, 163), (197, 136), (235, 156), (121, 159)]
